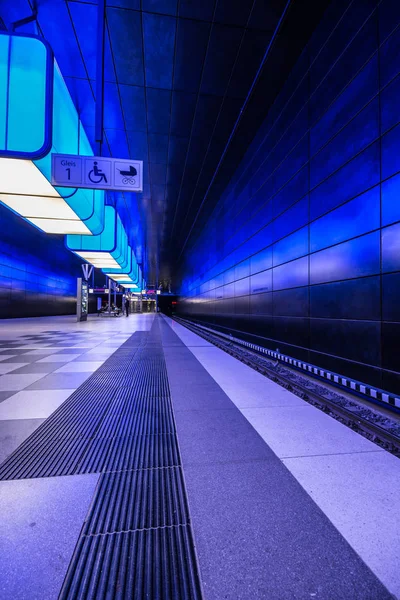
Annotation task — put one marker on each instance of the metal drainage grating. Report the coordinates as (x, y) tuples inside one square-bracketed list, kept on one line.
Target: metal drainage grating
[(129, 452), (138, 500), (60, 444), (137, 540), (45, 457), (149, 564), (129, 422), (138, 399)]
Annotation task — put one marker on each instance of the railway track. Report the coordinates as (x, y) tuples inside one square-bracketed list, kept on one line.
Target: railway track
[(382, 430)]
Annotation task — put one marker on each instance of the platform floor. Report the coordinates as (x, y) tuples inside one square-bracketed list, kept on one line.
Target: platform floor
[(283, 501)]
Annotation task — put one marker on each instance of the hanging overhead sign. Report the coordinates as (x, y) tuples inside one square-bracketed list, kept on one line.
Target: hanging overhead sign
[(96, 172)]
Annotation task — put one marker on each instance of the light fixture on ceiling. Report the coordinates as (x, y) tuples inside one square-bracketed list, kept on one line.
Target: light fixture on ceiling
[(132, 283), (109, 249), (128, 275), (131, 286), (31, 128)]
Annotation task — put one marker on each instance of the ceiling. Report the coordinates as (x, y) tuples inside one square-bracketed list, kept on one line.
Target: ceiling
[(177, 74)]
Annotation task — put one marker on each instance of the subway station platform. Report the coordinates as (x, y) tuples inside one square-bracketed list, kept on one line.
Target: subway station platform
[(139, 461)]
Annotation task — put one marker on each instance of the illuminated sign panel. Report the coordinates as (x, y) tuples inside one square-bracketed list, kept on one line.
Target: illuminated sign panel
[(97, 172)]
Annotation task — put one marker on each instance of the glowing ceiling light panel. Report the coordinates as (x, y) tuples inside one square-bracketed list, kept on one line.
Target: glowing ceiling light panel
[(37, 117), (129, 266), (130, 274), (130, 280), (109, 249), (120, 278), (101, 260)]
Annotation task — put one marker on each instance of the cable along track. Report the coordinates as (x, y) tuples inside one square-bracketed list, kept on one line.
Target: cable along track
[(376, 427)]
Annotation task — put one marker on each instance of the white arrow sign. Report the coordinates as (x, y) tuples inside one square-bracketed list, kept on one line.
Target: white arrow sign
[(96, 172)]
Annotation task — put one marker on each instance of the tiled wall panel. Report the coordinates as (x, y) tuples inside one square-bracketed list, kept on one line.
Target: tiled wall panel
[(303, 250), (37, 274)]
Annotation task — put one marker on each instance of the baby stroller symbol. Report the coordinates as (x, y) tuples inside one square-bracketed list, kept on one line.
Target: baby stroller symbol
[(128, 176)]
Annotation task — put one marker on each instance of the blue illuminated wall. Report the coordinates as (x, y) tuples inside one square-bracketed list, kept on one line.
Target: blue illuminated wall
[(37, 274), (303, 250)]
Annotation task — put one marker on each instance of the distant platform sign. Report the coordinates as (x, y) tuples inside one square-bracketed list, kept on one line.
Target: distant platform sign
[(96, 172)]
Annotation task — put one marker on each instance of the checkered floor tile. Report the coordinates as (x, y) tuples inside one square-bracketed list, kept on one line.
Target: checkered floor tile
[(40, 366)]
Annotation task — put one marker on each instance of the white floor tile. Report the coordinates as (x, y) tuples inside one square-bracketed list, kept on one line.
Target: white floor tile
[(60, 381), (8, 367), (79, 367), (5, 356), (12, 382), (35, 347), (42, 352), (84, 346), (258, 395), (61, 358), (32, 404), (360, 494), (101, 350), (224, 368), (186, 336), (305, 431)]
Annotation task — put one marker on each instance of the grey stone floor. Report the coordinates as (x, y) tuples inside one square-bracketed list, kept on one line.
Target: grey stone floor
[(258, 534), (42, 361)]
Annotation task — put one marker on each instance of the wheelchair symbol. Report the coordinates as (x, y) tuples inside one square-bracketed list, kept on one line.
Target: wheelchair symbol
[(96, 175), (128, 176)]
